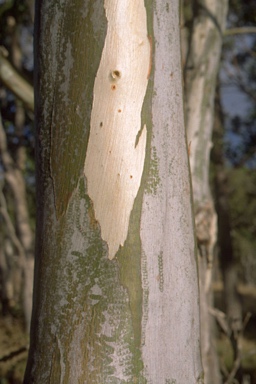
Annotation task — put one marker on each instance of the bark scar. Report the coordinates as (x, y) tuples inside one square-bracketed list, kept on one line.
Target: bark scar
[(150, 55)]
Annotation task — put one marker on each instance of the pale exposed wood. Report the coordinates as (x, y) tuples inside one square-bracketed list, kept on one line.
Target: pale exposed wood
[(116, 148)]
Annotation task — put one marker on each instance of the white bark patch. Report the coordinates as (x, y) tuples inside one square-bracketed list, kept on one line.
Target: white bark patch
[(116, 148)]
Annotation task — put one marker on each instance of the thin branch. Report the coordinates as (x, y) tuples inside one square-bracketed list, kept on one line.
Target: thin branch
[(232, 374), (246, 90), (5, 155), (239, 31), (11, 230), (238, 351), (221, 318), (15, 180), (13, 354), (15, 82)]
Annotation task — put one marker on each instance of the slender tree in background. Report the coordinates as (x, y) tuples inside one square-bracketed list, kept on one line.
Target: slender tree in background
[(116, 288), (201, 69), (228, 262), (17, 235)]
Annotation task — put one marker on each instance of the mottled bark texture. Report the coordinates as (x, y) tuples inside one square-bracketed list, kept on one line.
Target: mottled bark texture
[(131, 317)]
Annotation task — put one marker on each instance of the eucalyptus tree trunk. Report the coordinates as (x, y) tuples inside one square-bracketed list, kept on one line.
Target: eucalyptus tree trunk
[(116, 287), (201, 71)]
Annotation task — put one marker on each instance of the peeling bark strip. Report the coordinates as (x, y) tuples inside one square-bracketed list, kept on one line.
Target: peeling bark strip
[(116, 147)]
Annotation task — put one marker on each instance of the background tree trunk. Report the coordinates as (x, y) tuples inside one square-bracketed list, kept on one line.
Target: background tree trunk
[(228, 262), (201, 70), (21, 236), (124, 308), (19, 230)]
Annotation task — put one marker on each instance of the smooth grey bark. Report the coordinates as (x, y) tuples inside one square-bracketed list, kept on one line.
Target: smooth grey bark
[(167, 214), (134, 317)]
